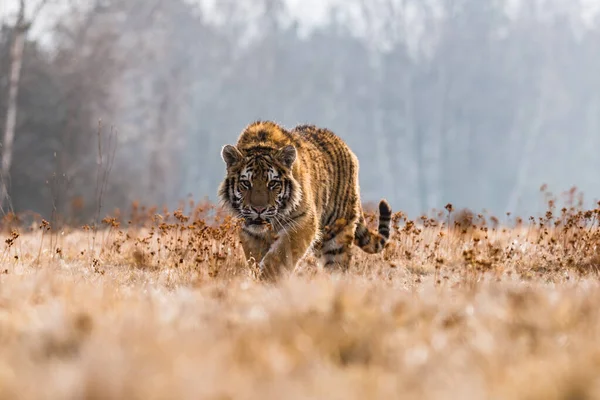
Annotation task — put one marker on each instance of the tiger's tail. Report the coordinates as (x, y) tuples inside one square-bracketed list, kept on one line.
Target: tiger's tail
[(370, 241)]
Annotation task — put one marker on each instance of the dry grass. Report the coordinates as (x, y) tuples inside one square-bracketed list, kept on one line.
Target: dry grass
[(164, 308)]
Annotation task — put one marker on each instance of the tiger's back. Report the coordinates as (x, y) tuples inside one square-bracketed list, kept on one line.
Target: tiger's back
[(334, 169), (318, 202)]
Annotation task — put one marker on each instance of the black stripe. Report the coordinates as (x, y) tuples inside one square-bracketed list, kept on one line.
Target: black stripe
[(330, 168), (361, 218), (258, 149), (230, 191), (349, 192), (305, 128), (360, 232), (383, 226), (287, 193), (329, 235), (333, 231), (330, 221), (384, 208), (342, 187), (335, 252), (297, 216), (250, 165), (325, 151), (335, 155), (365, 239), (385, 217)]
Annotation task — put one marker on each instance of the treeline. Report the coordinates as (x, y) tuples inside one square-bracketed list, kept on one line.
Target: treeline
[(467, 102)]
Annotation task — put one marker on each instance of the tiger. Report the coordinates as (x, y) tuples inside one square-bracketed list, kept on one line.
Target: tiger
[(294, 191)]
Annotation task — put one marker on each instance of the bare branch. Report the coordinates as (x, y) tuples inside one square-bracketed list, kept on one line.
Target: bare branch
[(21, 16), (37, 10)]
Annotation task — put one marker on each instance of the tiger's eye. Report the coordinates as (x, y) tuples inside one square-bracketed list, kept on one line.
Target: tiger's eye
[(245, 184)]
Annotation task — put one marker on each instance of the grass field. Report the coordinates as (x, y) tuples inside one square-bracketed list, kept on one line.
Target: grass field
[(163, 307)]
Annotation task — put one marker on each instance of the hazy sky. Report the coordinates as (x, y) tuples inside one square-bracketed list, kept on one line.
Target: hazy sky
[(308, 11)]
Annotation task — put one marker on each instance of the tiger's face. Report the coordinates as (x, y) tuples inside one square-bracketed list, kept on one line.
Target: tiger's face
[(259, 186)]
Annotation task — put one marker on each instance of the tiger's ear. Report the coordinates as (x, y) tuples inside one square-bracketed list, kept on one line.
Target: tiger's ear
[(286, 155), (231, 155)]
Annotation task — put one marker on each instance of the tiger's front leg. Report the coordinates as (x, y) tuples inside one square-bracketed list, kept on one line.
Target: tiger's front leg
[(256, 245), (289, 247)]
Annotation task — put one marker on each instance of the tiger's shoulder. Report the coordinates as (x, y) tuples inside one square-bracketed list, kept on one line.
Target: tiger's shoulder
[(324, 142), (312, 132)]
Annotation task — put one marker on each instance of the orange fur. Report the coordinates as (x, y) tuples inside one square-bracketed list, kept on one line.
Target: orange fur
[(297, 190)]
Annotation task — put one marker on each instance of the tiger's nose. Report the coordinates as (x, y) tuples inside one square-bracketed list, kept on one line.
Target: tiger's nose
[(259, 209)]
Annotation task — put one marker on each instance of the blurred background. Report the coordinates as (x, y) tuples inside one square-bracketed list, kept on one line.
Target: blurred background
[(473, 102)]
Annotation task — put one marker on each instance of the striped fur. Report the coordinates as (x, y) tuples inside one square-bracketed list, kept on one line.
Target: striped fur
[(298, 190)]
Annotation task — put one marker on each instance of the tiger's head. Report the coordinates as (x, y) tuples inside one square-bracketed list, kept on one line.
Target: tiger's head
[(259, 185)]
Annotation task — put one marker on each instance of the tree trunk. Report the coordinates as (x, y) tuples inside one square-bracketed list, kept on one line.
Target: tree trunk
[(11, 112)]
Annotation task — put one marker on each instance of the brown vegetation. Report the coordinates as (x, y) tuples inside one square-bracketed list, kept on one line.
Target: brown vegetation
[(161, 305)]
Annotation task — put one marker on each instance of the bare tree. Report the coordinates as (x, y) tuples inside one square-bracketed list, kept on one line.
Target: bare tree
[(22, 26)]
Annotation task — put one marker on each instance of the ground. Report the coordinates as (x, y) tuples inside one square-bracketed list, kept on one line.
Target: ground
[(164, 308)]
